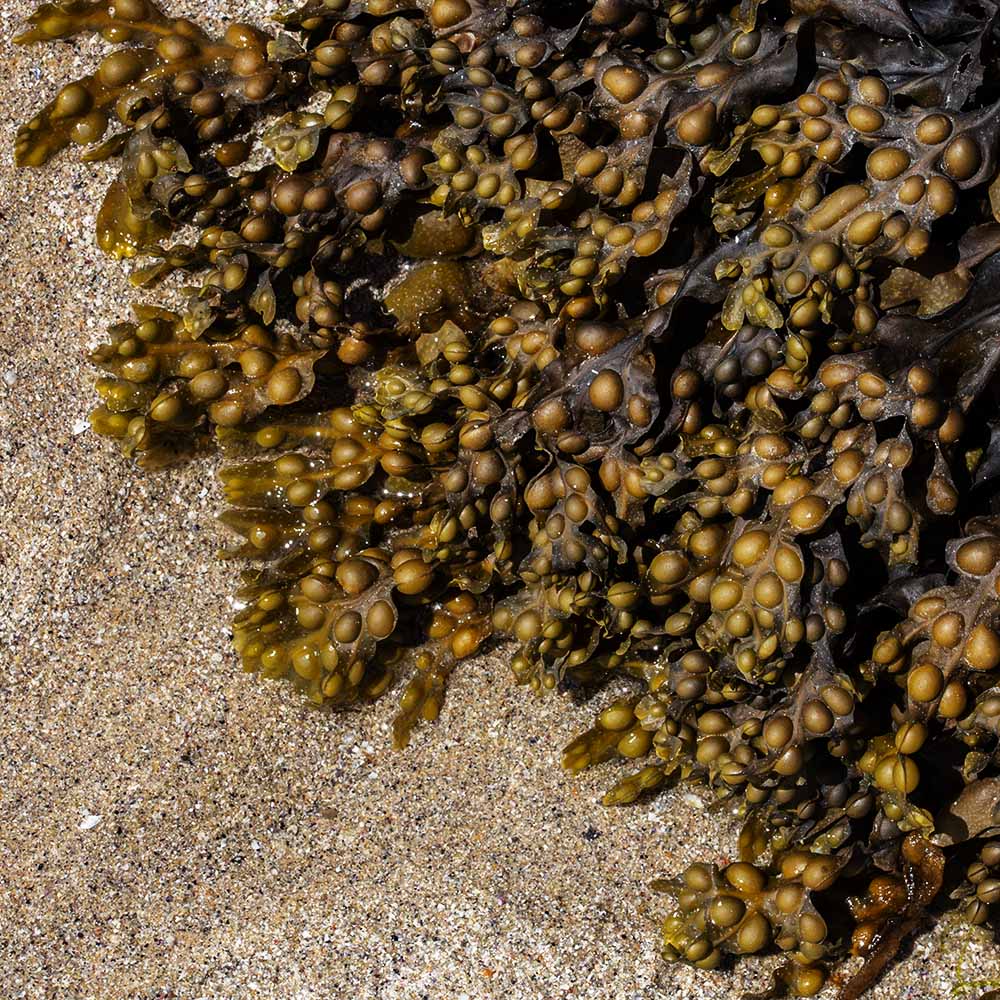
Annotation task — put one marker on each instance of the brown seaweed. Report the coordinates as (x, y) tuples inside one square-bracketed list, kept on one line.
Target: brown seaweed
[(659, 340)]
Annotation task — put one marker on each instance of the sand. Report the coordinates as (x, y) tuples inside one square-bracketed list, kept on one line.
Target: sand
[(173, 828)]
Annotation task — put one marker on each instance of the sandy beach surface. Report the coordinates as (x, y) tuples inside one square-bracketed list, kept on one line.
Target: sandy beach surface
[(173, 828)]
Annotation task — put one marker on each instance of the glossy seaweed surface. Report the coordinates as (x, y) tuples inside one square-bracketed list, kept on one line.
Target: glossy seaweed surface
[(660, 338)]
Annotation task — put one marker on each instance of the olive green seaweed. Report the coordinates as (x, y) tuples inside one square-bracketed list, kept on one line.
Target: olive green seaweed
[(657, 338)]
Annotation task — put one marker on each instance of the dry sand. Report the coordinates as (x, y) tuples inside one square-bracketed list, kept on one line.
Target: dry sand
[(171, 827)]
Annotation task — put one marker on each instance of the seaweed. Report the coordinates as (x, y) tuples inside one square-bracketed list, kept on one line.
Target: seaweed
[(659, 341)]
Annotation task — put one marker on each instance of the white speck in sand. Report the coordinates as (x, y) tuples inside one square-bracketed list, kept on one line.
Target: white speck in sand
[(89, 822)]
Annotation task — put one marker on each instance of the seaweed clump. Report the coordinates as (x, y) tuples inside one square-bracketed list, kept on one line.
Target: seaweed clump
[(660, 338)]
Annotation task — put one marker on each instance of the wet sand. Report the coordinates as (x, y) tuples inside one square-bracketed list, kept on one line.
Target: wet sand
[(171, 827)]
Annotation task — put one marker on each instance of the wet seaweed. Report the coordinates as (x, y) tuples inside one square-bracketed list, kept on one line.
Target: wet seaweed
[(658, 339)]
